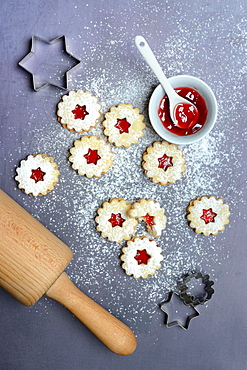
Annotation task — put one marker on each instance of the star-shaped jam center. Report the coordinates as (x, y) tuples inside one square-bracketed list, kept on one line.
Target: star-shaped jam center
[(80, 112), (165, 162), (149, 220), (142, 257), (208, 215), (123, 125), (92, 156), (37, 175), (116, 219)]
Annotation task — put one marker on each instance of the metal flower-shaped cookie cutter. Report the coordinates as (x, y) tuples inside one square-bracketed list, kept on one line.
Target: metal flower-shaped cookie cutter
[(190, 299), (176, 315), (32, 53)]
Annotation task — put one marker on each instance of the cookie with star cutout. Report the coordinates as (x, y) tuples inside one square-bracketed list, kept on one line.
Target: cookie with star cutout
[(208, 215), (151, 213), (141, 257), (91, 156), (113, 221), (79, 111), (37, 174), (163, 163), (124, 125)]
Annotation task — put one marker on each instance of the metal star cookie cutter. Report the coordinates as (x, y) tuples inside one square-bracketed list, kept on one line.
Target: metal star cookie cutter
[(32, 53), (171, 307), (190, 299)]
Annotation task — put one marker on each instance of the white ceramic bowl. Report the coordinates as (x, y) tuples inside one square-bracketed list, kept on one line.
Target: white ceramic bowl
[(207, 94)]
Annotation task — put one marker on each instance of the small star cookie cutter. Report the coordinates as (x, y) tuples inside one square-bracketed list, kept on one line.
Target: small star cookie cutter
[(32, 53), (190, 299), (171, 309)]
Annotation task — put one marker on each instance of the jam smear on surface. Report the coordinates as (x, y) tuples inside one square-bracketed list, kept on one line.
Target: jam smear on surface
[(123, 125), (37, 175), (165, 162), (149, 220), (92, 156), (116, 219), (80, 112), (208, 215), (192, 96), (142, 257)]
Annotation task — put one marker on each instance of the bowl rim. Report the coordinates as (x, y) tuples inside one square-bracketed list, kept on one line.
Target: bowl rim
[(157, 95)]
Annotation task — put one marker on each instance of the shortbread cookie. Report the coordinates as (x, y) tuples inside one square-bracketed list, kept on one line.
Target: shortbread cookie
[(149, 211), (113, 221), (163, 163), (124, 125), (91, 156), (37, 174), (208, 215), (79, 111), (141, 257)]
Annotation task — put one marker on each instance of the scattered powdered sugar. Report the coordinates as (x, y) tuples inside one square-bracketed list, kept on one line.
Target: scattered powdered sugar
[(114, 71)]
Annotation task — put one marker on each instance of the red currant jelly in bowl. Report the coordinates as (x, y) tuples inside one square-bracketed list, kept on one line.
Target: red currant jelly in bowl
[(201, 121)]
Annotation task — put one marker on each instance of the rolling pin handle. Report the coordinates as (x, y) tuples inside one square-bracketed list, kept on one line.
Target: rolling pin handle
[(113, 333)]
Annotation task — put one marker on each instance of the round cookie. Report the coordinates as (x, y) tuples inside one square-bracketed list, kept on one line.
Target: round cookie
[(149, 211), (113, 221), (141, 257), (123, 125), (37, 174), (79, 111), (163, 163), (91, 156), (208, 215)]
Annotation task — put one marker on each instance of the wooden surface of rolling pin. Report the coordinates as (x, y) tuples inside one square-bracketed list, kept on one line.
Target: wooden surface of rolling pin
[(32, 261)]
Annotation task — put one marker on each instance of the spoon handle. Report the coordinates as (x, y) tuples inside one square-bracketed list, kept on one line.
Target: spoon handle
[(148, 55)]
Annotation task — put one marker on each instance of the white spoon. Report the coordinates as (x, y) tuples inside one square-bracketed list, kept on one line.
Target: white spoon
[(183, 113)]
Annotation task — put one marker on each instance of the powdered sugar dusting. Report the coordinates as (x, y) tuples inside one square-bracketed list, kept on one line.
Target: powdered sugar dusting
[(81, 149), (48, 179), (134, 121), (114, 71), (149, 208), (113, 232), (167, 172), (208, 215), (68, 104), (130, 253)]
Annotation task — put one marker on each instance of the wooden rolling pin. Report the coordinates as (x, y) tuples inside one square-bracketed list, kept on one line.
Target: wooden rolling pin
[(32, 263)]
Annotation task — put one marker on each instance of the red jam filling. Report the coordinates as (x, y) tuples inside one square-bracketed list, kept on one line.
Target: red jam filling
[(116, 219), (142, 257), (149, 220), (165, 162), (123, 125), (37, 175), (186, 115), (92, 156), (80, 112), (192, 96), (208, 215)]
